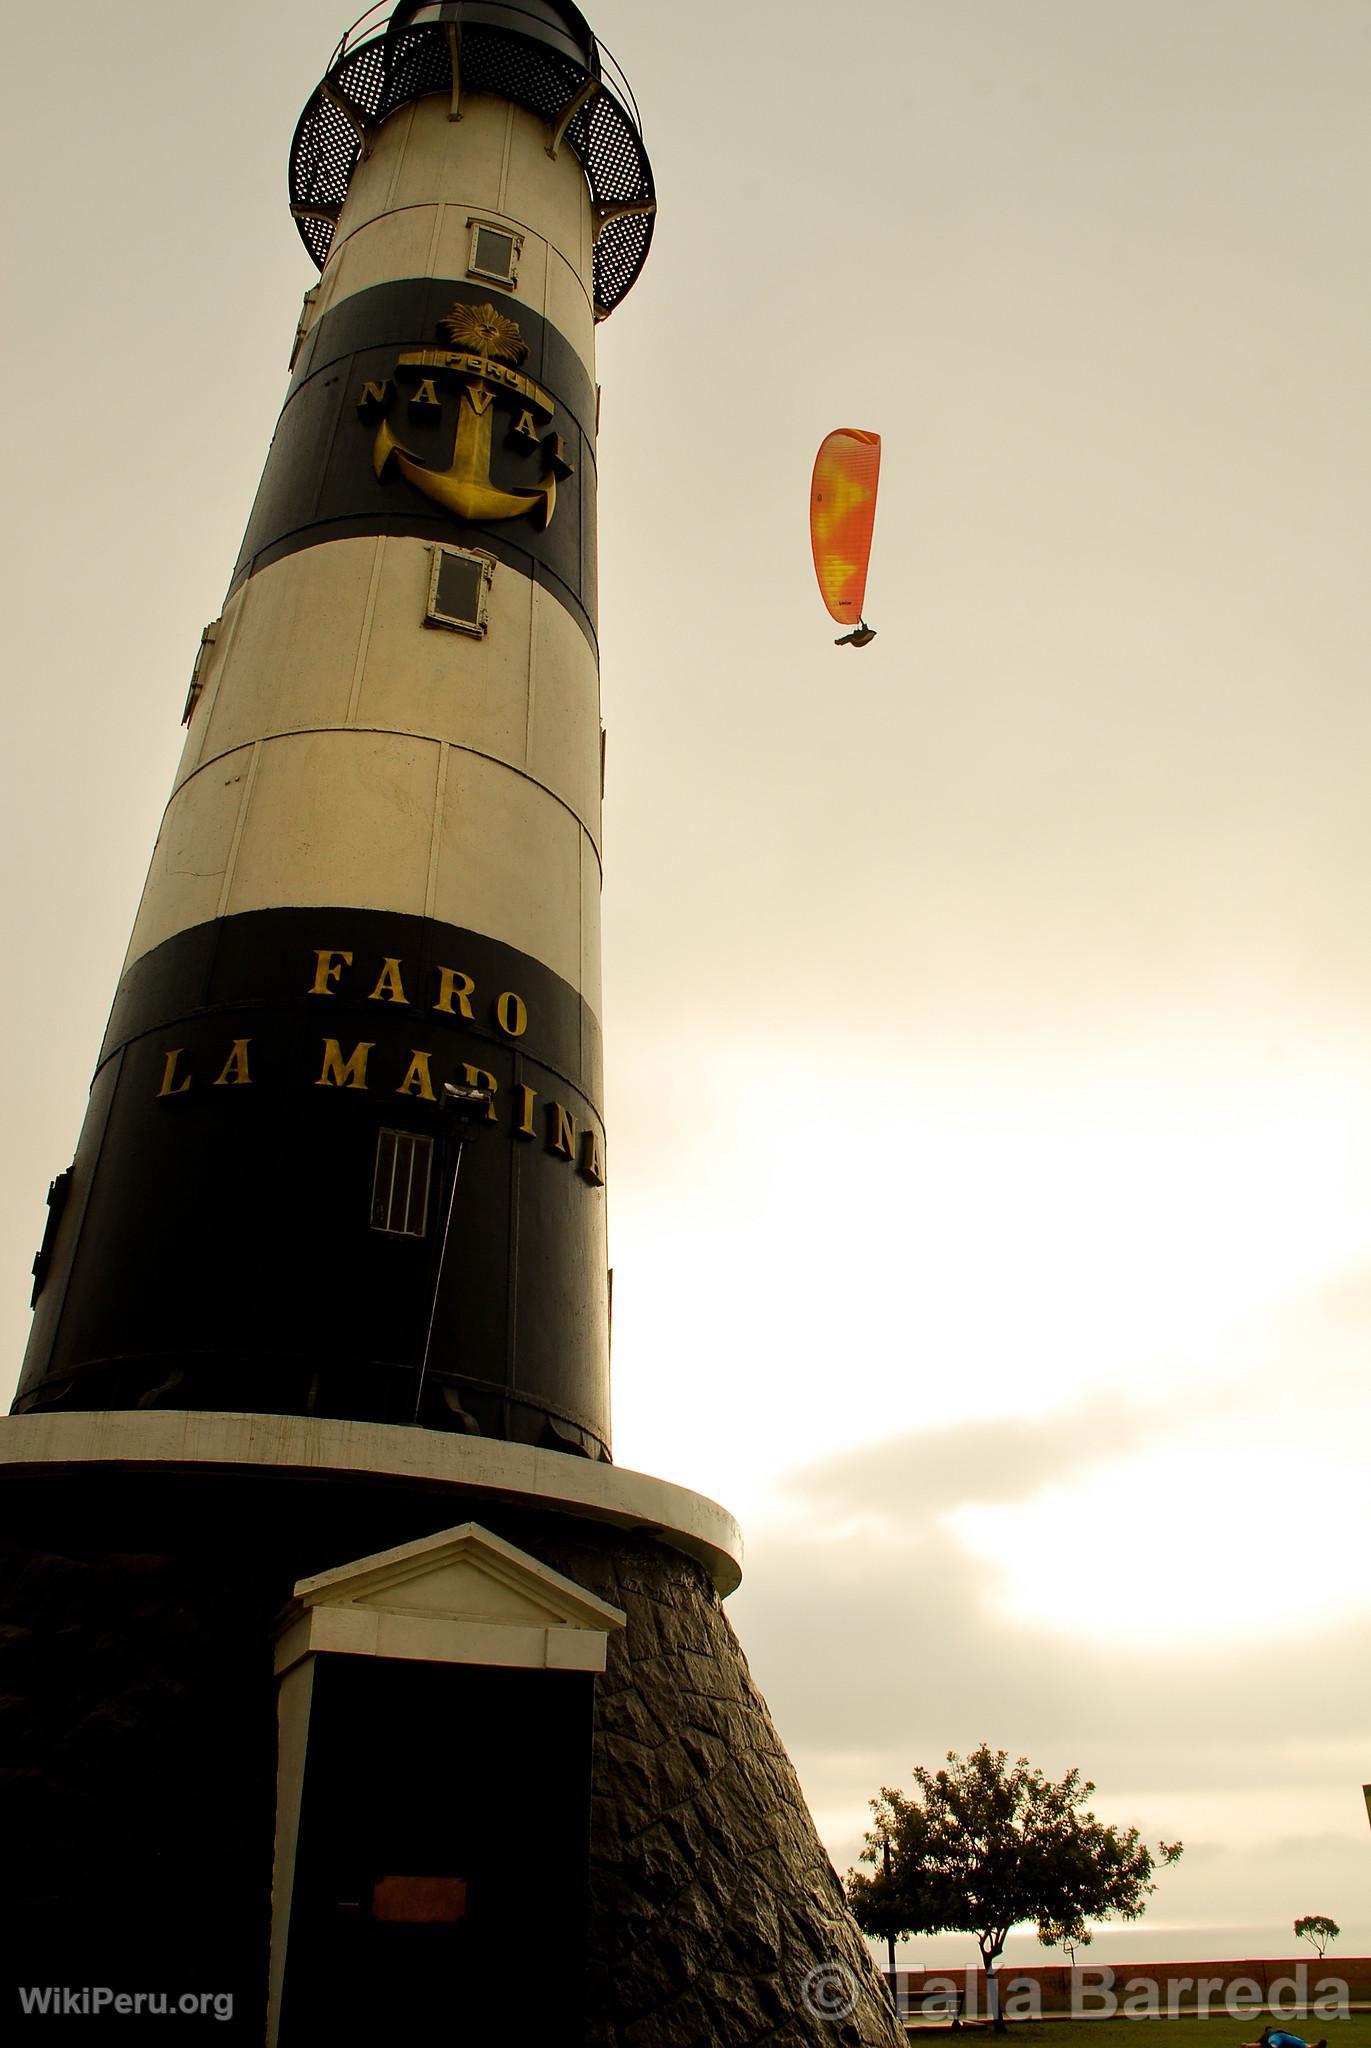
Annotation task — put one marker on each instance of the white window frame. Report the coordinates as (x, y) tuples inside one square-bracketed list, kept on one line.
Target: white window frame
[(509, 276), (450, 623)]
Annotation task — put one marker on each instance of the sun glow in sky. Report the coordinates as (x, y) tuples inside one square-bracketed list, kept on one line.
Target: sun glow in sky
[(1016, 1246), (1215, 1558)]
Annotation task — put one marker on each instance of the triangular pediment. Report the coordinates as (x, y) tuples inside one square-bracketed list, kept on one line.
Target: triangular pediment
[(462, 1574)]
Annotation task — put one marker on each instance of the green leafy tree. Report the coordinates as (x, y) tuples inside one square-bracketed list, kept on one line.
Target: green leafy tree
[(1318, 1929), (1067, 1939), (987, 1845)]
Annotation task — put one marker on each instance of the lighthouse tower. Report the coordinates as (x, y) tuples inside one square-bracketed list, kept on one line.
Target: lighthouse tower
[(356, 1686), (379, 870)]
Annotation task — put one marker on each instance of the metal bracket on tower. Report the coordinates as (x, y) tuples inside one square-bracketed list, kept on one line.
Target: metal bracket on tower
[(454, 50), (569, 113), (362, 128), (323, 211), (605, 213)]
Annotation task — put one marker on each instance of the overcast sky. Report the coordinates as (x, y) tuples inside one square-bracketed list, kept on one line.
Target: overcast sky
[(988, 1012)]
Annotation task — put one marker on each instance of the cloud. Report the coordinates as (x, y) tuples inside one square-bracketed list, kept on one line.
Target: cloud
[(881, 1641), (917, 1475), (867, 1585)]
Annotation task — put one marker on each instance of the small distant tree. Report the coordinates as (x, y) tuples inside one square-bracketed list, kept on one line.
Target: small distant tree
[(984, 1846), (1317, 1929), (1067, 1939)]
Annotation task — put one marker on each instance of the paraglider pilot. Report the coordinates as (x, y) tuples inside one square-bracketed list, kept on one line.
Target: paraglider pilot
[(842, 513)]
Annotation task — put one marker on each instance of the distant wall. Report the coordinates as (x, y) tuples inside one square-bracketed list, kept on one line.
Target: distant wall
[(1283, 1984)]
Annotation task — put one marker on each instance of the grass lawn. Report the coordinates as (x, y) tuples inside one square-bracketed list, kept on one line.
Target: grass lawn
[(1352, 2032)]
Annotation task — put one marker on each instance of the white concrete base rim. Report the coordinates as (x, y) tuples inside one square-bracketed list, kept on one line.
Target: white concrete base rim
[(320, 1447)]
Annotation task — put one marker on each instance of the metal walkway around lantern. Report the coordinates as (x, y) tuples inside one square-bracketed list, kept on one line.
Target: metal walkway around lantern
[(371, 77)]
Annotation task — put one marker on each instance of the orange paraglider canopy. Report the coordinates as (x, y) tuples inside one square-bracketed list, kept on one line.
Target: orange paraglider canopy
[(842, 512)]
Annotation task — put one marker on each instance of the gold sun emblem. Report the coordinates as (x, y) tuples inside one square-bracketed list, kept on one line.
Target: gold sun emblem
[(485, 331)]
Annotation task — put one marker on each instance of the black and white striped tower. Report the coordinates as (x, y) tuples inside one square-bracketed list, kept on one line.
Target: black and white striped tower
[(351, 1693), (379, 870)]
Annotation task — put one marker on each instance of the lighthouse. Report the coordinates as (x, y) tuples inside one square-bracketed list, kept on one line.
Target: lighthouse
[(382, 1698), (378, 874)]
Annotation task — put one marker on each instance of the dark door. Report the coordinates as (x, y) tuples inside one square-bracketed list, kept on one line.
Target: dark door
[(442, 1866)]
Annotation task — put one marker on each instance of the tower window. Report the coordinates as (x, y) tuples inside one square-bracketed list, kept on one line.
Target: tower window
[(399, 1193), (457, 587), (494, 253)]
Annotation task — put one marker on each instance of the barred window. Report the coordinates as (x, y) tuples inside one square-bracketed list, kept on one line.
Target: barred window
[(399, 1193)]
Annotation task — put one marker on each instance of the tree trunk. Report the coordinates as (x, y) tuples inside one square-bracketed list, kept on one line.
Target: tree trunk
[(989, 1957)]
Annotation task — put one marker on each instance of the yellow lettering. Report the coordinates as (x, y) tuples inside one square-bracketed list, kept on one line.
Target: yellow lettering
[(374, 397), (477, 1077), (425, 396), (169, 1074), (451, 982), (344, 1073), (590, 1162), (510, 1014), (524, 429), (561, 1130), (235, 1074), (328, 965), (418, 1080), (389, 988), (527, 1098)]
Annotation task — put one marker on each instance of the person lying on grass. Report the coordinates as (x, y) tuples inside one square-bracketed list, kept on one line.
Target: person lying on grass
[(1277, 2037)]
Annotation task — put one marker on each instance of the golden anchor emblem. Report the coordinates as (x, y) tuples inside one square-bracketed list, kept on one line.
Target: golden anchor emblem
[(481, 367)]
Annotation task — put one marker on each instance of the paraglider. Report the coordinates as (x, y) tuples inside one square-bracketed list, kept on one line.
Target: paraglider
[(842, 513)]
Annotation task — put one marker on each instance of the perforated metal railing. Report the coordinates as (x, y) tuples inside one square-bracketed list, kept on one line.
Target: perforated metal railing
[(376, 77)]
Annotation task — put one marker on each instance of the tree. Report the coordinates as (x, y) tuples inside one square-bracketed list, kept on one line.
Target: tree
[(1067, 1939), (1318, 1929), (984, 1846)]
